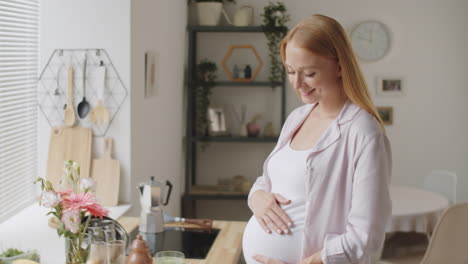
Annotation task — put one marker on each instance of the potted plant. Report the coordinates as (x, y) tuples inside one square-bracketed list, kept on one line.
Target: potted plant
[(275, 18), (209, 11), (206, 75)]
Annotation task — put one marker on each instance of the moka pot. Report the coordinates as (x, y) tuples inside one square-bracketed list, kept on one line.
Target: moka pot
[(151, 200)]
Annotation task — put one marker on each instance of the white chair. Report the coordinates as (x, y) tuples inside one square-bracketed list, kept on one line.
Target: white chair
[(442, 182), (448, 243)]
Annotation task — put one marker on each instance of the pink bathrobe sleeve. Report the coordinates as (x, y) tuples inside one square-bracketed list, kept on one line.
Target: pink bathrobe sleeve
[(370, 207)]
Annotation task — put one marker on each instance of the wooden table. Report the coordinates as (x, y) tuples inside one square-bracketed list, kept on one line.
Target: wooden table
[(226, 248)]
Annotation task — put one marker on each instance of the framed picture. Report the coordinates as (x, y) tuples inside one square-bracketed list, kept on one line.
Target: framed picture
[(390, 86), (217, 121), (150, 74), (386, 113)]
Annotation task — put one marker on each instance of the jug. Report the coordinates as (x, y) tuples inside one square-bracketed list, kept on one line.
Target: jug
[(107, 229), (244, 16), (151, 200)]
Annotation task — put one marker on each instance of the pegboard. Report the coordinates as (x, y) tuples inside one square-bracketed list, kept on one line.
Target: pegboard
[(53, 84)]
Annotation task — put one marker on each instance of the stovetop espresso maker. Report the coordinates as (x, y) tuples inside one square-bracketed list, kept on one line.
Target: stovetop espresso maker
[(151, 200)]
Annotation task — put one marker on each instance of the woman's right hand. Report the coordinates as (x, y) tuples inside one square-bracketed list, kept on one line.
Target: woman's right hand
[(270, 216)]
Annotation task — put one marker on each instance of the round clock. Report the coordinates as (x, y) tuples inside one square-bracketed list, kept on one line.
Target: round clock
[(370, 40)]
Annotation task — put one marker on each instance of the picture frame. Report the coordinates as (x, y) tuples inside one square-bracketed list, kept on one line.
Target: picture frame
[(150, 74), (390, 86), (386, 114), (217, 119)]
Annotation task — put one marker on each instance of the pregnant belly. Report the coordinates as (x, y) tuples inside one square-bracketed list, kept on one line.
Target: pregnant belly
[(286, 247)]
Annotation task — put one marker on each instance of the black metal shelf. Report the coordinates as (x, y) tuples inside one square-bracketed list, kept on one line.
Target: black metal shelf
[(245, 84), (224, 29), (194, 192), (235, 139)]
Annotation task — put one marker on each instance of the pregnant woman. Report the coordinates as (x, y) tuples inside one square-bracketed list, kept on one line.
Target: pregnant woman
[(323, 196)]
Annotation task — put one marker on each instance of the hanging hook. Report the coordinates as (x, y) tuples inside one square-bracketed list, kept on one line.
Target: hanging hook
[(98, 52), (60, 52)]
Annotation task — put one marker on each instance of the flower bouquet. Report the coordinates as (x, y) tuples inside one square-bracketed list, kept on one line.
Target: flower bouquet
[(72, 205)]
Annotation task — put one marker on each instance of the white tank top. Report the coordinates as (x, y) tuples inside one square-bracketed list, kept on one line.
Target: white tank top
[(287, 171)]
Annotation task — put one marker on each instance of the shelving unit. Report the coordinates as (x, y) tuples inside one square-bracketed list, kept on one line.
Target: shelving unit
[(194, 192)]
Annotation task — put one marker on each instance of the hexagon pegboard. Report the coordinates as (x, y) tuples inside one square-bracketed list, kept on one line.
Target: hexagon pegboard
[(52, 86), (228, 57)]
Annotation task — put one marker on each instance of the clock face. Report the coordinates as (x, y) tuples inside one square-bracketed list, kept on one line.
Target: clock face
[(371, 40)]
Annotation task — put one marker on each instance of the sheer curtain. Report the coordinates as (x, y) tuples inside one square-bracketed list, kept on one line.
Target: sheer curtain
[(19, 56)]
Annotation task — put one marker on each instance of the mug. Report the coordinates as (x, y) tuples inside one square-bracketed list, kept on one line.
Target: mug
[(169, 257)]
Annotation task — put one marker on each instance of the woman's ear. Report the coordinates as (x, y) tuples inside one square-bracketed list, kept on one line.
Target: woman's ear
[(339, 70)]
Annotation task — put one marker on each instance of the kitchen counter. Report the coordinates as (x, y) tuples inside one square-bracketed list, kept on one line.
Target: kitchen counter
[(226, 248), (29, 230)]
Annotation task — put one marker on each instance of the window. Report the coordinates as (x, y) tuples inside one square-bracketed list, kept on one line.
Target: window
[(19, 51)]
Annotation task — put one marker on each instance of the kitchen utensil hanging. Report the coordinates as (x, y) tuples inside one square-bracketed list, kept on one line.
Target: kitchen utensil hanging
[(99, 114), (52, 91), (83, 107), (69, 112)]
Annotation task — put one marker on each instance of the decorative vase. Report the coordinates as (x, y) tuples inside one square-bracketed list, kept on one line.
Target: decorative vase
[(243, 129), (209, 13), (253, 129), (77, 250)]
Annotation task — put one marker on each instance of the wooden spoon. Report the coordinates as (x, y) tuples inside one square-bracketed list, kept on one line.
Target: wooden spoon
[(100, 114), (69, 115)]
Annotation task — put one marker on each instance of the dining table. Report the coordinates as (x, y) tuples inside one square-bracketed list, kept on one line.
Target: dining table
[(415, 209)]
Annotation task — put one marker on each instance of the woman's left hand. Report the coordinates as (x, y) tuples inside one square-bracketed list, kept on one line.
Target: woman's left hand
[(267, 260)]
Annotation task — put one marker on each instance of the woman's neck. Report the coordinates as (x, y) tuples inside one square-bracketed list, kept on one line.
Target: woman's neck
[(331, 108)]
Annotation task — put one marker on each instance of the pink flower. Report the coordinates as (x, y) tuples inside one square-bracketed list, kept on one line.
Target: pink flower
[(50, 199), (72, 221), (78, 201), (97, 210), (64, 192), (85, 201)]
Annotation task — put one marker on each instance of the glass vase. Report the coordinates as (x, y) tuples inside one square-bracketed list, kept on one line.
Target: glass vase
[(77, 249)]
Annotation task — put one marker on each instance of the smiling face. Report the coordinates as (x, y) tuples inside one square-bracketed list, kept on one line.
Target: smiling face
[(314, 78)]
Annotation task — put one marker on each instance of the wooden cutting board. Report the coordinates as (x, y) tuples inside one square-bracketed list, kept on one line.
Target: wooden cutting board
[(106, 173), (69, 143)]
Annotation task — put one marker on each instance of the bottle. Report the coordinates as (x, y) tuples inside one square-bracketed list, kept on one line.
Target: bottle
[(235, 71), (247, 72)]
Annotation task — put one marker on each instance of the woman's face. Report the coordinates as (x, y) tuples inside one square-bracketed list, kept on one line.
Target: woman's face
[(315, 78)]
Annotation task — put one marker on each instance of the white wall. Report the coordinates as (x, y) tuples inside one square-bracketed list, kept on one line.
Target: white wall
[(68, 24), (147, 132), (157, 124), (428, 51)]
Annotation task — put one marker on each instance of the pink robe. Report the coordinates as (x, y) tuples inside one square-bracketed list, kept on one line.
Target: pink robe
[(348, 203)]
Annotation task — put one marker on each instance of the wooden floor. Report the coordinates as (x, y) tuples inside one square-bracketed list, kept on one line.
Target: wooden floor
[(405, 248), (410, 259)]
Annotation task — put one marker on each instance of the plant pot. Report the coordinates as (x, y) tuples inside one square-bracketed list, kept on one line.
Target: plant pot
[(209, 13)]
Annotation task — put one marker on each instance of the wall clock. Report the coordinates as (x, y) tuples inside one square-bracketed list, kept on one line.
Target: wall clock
[(371, 40)]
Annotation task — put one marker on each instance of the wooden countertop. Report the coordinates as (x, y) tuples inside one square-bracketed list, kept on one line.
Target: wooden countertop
[(226, 248)]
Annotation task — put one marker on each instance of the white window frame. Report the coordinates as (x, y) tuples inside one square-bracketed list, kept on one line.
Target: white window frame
[(19, 62)]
